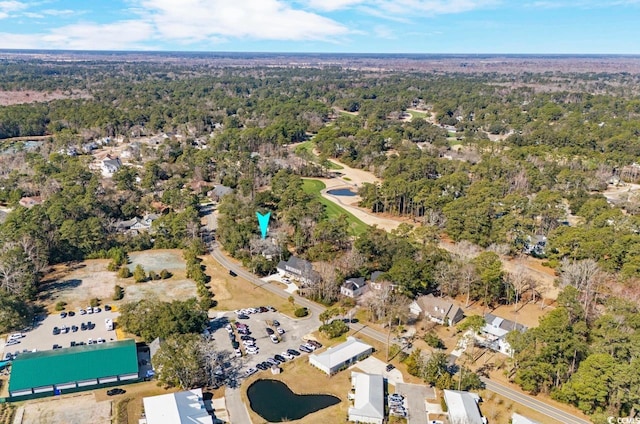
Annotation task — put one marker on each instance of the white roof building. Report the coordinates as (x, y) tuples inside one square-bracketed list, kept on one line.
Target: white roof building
[(463, 407), (177, 408), (521, 419), (368, 402), (341, 356)]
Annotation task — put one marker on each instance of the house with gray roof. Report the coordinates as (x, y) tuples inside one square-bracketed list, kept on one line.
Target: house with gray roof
[(218, 192), (354, 287), (494, 333), (440, 310), (110, 165), (299, 269)]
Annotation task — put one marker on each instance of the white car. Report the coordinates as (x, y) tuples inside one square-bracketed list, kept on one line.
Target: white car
[(100, 340), (287, 355), (310, 346), (274, 339), (89, 310), (252, 352), (248, 343), (16, 336), (238, 353), (250, 371), (280, 330), (82, 311)]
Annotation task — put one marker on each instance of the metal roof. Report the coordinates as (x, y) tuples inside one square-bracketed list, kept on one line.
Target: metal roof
[(78, 363)]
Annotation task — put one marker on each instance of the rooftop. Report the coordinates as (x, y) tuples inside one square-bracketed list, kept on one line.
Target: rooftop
[(341, 353), (177, 408), (369, 400), (463, 407), (73, 364)]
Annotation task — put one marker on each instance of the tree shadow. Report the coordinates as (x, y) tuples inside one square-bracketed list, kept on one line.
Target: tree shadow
[(57, 286)]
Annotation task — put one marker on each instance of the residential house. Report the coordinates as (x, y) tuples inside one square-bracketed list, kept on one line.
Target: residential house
[(29, 202), (436, 309), (462, 407), (177, 408), (375, 282), (493, 334), (354, 287), (218, 192), (110, 165), (137, 224), (341, 356), (368, 398), (298, 269), (535, 245)]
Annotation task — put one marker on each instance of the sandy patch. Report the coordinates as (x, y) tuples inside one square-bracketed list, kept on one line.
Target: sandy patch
[(170, 260), (30, 96), (75, 409), (163, 290)]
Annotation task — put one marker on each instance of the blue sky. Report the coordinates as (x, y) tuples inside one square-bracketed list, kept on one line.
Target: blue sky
[(358, 26)]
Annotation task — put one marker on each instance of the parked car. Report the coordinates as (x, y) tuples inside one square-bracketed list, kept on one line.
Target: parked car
[(63, 314), (89, 309), (315, 343), (250, 372), (304, 349), (390, 367), (82, 311), (280, 330), (276, 323), (235, 344), (261, 366), (56, 331), (293, 352), (83, 327), (274, 339), (279, 358), (116, 391), (272, 309), (396, 397), (248, 342), (272, 361), (252, 351), (238, 353), (243, 316), (71, 314), (74, 328), (232, 273), (107, 307), (270, 331), (15, 342)]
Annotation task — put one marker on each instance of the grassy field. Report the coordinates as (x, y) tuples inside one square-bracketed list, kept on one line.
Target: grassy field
[(314, 187), (415, 114), (305, 150)]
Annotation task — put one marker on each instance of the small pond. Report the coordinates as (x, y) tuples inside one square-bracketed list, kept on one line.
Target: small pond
[(342, 192), (275, 402)]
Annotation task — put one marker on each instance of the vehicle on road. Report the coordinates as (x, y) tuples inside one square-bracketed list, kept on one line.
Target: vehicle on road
[(232, 273)]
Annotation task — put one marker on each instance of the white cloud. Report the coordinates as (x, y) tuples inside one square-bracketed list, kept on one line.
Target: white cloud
[(331, 5), (8, 7), (197, 20)]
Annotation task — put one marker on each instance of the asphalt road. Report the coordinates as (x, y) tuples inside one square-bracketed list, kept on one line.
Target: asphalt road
[(500, 389)]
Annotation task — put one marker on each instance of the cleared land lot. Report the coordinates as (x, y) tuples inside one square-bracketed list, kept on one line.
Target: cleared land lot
[(76, 284), (77, 409)]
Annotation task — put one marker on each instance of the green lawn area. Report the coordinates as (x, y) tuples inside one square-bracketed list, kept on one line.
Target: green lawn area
[(305, 150), (314, 187), (415, 114)]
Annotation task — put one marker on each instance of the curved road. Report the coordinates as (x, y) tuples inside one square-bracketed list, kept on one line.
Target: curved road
[(507, 392)]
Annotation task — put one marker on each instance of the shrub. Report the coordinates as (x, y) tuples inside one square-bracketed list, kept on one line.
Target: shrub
[(153, 275), (335, 329), (139, 275), (94, 302), (124, 272), (60, 305), (443, 404), (433, 340), (301, 312), (118, 292), (164, 274)]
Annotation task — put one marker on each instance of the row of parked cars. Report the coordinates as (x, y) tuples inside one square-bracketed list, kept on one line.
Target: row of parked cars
[(286, 355), (397, 406), (66, 329), (244, 313)]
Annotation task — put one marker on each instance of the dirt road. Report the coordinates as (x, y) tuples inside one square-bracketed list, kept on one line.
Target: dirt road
[(353, 178)]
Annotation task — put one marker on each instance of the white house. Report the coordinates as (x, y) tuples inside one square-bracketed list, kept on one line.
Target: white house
[(354, 287), (462, 407), (177, 408), (109, 166), (341, 356), (137, 224), (494, 333), (368, 398), (436, 309)]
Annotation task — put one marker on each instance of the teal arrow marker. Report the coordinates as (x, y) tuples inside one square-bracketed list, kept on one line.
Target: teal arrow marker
[(263, 220)]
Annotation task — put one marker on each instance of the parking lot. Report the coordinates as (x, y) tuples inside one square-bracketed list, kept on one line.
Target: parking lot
[(41, 336), (295, 332), (415, 396)]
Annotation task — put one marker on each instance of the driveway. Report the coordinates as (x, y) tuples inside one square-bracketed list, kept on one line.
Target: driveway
[(291, 286), (415, 399), (373, 365)]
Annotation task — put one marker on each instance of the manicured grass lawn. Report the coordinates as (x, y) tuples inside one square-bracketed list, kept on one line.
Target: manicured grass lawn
[(305, 150), (314, 187), (414, 114)]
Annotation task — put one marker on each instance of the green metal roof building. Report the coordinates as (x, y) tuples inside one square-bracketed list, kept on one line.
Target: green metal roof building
[(73, 368)]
